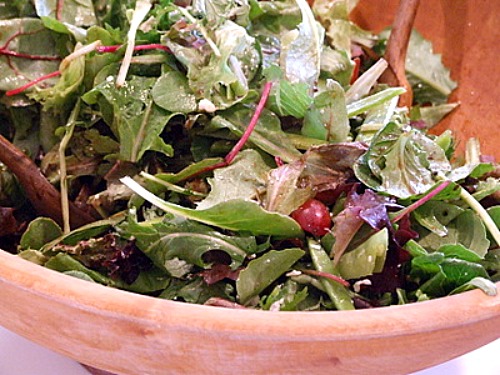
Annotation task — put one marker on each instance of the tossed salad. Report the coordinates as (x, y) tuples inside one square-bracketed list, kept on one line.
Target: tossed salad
[(236, 153)]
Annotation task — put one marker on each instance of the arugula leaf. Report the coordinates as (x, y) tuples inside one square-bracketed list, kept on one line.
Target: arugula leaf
[(263, 271), (228, 215), (436, 215), (195, 291), (136, 120), (164, 242)]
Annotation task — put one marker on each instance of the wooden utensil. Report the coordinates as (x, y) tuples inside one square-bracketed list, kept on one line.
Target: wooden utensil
[(395, 54)]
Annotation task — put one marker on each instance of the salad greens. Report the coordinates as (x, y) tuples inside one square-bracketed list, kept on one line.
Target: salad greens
[(236, 153)]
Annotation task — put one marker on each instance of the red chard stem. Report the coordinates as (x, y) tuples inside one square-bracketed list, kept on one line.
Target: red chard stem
[(32, 83)]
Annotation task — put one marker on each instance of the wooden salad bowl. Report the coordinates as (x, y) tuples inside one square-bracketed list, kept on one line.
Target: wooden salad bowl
[(125, 333), (133, 334)]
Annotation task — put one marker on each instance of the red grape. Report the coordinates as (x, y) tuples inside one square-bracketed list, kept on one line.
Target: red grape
[(313, 217)]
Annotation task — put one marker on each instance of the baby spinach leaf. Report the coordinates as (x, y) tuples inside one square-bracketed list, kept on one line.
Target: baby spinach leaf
[(263, 271), (459, 252), (39, 232), (487, 286), (65, 263), (172, 92), (453, 273)]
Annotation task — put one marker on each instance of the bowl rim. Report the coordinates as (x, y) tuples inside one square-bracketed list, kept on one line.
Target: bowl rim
[(462, 309)]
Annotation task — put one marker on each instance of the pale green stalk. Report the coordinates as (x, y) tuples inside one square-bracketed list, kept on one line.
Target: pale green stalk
[(69, 129), (141, 10), (483, 214)]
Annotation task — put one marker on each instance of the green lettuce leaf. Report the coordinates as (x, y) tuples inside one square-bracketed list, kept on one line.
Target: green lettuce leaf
[(301, 49), (74, 12), (366, 259), (267, 135), (227, 183), (466, 229)]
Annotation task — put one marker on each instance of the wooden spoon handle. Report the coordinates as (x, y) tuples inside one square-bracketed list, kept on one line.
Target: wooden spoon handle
[(397, 47), (44, 197)]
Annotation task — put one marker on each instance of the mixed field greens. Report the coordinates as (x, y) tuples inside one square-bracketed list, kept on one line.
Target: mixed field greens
[(236, 153)]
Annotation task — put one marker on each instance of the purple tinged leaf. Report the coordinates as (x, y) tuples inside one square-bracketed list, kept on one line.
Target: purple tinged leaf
[(329, 166), (367, 208)]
